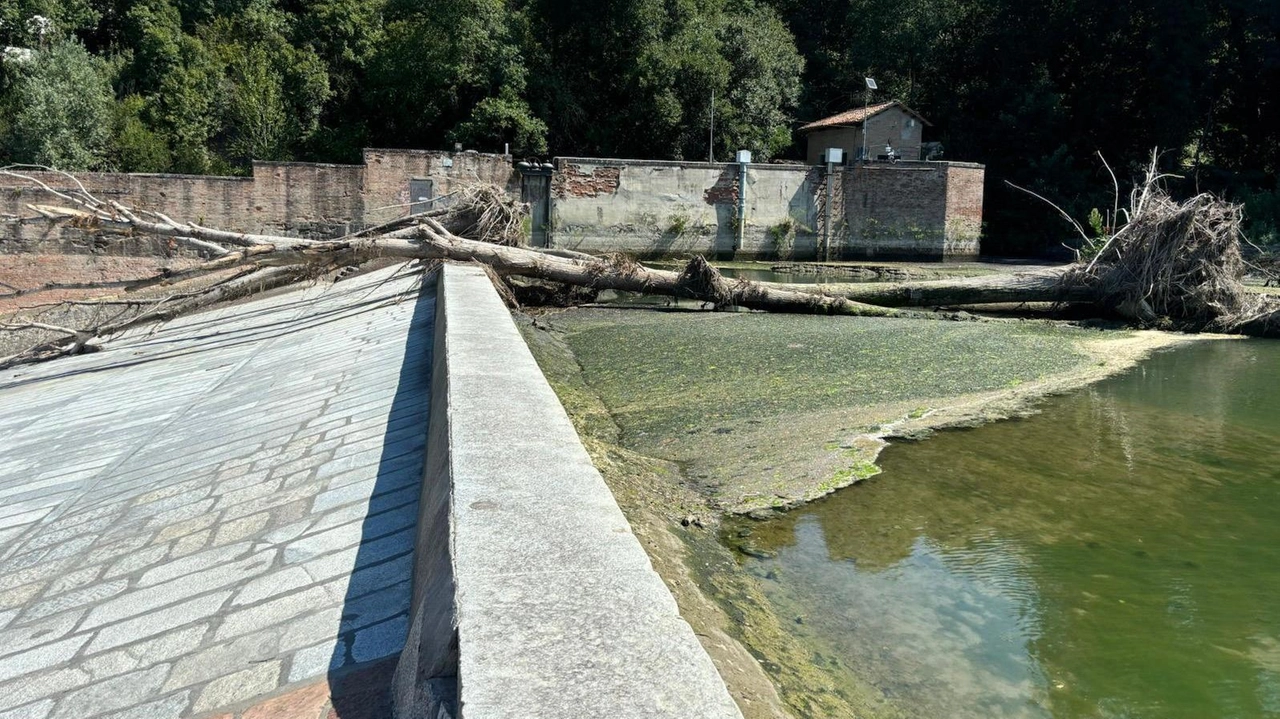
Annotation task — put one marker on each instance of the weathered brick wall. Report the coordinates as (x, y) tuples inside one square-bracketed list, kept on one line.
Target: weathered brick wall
[(912, 209), (213, 200), (387, 174), (305, 198), (894, 210), (294, 198), (964, 208), (290, 198)]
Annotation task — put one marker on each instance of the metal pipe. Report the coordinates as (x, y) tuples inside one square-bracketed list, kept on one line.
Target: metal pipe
[(742, 205), (826, 225)]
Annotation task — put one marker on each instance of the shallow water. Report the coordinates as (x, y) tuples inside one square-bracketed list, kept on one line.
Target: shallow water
[(1117, 555), (795, 278)]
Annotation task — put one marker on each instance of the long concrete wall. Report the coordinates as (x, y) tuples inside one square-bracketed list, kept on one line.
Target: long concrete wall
[(652, 209), (532, 596)]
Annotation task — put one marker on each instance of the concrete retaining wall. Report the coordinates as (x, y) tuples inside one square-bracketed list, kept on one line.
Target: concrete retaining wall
[(558, 612), (654, 209)]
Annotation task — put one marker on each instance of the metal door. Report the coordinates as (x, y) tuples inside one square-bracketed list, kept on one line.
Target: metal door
[(535, 189), (421, 192)]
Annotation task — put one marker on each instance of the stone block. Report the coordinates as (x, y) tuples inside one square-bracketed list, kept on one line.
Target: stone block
[(157, 622), (112, 694), (237, 687)]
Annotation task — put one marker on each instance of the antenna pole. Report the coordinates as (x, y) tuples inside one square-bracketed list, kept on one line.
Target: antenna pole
[(865, 105)]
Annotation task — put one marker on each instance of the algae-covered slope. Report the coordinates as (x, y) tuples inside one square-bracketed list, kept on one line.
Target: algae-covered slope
[(770, 410)]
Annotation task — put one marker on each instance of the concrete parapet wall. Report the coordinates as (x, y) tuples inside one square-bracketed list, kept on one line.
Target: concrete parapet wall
[(558, 612), (653, 208)]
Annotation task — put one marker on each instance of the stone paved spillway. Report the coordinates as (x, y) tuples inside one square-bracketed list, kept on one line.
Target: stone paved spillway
[(217, 511)]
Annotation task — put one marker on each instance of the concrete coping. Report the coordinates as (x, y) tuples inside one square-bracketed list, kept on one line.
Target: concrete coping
[(432, 153), (558, 611), (560, 162)]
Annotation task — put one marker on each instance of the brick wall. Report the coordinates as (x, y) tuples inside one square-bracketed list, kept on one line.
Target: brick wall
[(912, 210), (387, 174), (964, 208), (293, 198), (290, 198)]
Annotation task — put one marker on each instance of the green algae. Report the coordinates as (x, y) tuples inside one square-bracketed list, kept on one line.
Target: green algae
[(763, 410)]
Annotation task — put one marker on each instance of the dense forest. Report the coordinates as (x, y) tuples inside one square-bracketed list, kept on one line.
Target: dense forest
[(1034, 90)]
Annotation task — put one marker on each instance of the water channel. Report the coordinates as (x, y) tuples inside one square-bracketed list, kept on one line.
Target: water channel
[(1115, 556)]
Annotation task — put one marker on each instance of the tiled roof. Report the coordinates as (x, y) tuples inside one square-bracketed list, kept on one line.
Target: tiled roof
[(858, 115)]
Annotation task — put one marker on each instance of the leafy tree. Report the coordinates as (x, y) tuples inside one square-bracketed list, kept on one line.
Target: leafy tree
[(58, 109), (635, 77), (135, 146), (43, 23), (451, 68), (763, 82)]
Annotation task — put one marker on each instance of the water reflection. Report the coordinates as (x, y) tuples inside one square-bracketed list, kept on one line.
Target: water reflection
[(1117, 555)]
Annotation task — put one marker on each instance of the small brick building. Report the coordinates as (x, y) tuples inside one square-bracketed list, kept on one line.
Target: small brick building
[(889, 123)]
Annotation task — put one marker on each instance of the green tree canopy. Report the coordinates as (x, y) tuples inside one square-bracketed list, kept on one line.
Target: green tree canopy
[(1033, 90), (57, 108)]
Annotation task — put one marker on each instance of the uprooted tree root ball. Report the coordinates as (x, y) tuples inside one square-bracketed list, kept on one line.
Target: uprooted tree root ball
[(1175, 264)]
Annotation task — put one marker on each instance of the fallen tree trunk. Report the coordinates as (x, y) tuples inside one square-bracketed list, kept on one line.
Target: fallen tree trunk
[(1038, 286), (699, 280)]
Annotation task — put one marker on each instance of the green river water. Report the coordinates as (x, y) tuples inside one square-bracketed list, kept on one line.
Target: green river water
[(1115, 556)]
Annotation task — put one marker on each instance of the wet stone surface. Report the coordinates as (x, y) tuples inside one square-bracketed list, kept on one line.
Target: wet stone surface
[(216, 511)]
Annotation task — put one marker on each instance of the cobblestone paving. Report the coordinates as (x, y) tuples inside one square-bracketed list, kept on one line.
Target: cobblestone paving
[(216, 511)]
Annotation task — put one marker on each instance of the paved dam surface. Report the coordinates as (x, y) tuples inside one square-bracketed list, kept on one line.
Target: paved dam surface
[(217, 517)]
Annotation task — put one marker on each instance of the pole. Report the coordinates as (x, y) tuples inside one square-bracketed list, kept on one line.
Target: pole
[(865, 105), (711, 136), (742, 205), (826, 225)]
